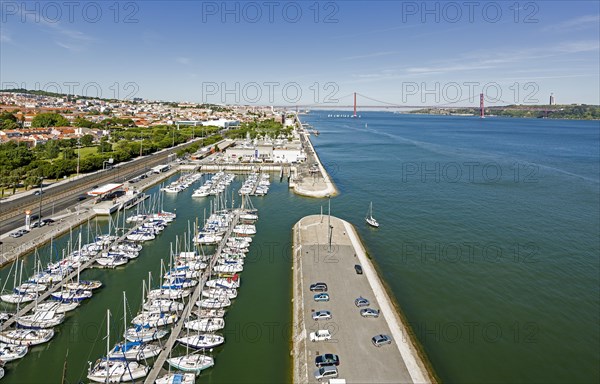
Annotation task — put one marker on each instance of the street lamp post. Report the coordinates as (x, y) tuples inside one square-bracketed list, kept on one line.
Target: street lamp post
[(329, 227), (41, 193), (78, 155)]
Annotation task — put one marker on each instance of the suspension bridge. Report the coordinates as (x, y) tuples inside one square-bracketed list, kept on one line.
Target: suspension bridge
[(370, 103)]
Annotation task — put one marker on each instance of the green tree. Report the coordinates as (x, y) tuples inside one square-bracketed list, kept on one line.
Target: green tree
[(105, 145), (49, 120), (87, 140), (52, 149)]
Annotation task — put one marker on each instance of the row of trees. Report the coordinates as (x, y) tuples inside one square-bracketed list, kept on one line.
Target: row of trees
[(262, 128), (22, 166)]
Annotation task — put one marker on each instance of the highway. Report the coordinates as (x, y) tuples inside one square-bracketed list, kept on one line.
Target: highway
[(58, 197)]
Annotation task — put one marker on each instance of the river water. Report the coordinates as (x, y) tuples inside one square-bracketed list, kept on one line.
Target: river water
[(488, 241)]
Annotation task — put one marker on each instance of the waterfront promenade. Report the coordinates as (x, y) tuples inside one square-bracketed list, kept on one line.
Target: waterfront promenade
[(317, 184), (360, 361)]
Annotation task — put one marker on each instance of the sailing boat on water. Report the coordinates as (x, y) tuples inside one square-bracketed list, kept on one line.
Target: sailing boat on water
[(115, 371), (370, 219)]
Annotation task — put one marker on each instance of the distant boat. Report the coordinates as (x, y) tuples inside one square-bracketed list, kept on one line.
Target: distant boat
[(370, 219)]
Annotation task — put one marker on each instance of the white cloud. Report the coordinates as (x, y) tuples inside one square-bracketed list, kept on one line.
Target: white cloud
[(369, 55), (183, 60), (577, 23)]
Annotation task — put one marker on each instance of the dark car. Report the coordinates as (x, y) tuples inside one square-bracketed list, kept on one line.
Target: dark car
[(318, 287), (48, 221), (358, 269), (81, 197), (38, 192), (380, 340), (327, 359)]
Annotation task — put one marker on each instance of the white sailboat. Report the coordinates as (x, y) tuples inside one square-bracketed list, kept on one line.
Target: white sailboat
[(214, 303), (10, 352), (133, 350), (209, 324), (191, 363), (177, 378), (26, 336), (115, 371), (202, 341), (56, 306), (370, 219), (39, 319)]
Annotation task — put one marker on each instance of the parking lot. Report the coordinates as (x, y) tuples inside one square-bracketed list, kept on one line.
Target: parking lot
[(351, 333)]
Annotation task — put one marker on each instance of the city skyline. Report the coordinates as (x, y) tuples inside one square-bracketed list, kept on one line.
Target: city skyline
[(287, 53)]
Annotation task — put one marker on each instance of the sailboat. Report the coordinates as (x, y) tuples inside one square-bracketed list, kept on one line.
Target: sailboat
[(133, 350), (191, 363), (115, 371), (47, 319), (10, 352), (26, 336), (177, 378), (370, 219)]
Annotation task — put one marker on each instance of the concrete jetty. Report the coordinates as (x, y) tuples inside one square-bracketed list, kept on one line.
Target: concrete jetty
[(330, 256), (313, 182)]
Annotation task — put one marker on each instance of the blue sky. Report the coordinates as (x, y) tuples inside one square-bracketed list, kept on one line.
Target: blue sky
[(307, 53)]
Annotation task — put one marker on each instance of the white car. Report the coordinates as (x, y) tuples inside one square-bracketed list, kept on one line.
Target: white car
[(320, 335)]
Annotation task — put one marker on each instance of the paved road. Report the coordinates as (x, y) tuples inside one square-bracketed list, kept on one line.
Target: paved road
[(64, 194)]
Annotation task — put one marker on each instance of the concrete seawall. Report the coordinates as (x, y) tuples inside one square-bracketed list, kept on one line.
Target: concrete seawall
[(315, 260), (319, 185)]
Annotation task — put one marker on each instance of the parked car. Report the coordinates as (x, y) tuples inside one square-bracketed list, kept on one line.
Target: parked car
[(369, 312), (358, 269), (37, 224), (328, 372), (47, 221), (318, 287), (327, 359), (320, 335), (16, 234), (38, 192), (321, 297), (361, 302), (321, 315), (81, 197), (380, 340)]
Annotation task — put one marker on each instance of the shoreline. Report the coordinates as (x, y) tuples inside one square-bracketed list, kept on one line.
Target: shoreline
[(418, 369)]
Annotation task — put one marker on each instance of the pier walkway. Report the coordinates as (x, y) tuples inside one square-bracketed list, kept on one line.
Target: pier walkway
[(307, 184), (315, 260), (157, 368), (55, 287)]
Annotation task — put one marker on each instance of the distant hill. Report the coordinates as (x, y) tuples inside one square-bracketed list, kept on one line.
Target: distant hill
[(577, 112), (213, 107), (52, 94)]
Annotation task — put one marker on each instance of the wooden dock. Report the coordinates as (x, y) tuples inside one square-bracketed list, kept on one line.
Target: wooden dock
[(176, 331), (71, 277)]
